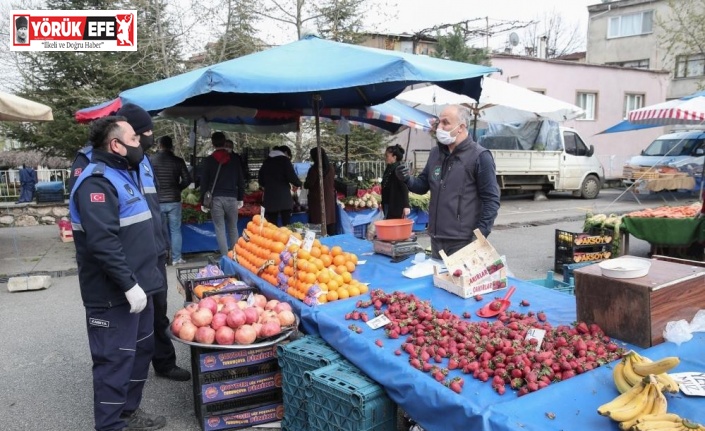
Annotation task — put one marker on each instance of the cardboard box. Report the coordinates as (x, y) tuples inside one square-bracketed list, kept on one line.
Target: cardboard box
[(223, 359), (241, 387), (483, 269), (245, 418), (636, 310)]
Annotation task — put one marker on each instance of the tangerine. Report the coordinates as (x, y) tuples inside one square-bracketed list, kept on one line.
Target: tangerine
[(310, 277), (336, 250), (350, 266), (341, 269), (333, 285), (353, 291), (322, 299), (339, 260), (347, 278), (315, 251), (343, 293), (326, 259), (325, 249), (363, 288), (256, 219), (332, 295), (323, 277), (303, 254)]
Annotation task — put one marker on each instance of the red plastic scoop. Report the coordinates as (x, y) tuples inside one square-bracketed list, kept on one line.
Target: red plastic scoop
[(497, 306)]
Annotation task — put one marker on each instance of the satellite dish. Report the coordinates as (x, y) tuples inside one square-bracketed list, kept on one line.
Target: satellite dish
[(513, 39)]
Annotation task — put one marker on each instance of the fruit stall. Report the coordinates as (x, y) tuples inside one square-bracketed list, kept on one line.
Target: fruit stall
[(497, 379)]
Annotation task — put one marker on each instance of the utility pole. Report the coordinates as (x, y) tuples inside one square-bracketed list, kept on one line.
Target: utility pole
[(487, 33)]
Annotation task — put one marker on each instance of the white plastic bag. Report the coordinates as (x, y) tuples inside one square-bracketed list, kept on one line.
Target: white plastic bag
[(698, 322), (677, 332)]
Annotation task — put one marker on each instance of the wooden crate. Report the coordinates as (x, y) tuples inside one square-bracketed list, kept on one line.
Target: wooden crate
[(636, 310)]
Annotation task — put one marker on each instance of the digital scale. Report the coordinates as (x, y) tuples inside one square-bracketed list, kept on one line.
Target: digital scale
[(397, 250)]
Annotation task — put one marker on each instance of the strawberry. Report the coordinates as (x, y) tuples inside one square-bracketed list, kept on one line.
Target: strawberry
[(496, 305), (397, 352), (355, 315), (458, 272), (466, 314), (455, 387), (379, 343), (524, 303), (541, 316), (478, 297)]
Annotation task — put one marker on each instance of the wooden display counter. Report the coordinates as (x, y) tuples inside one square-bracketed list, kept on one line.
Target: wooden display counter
[(636, 310)]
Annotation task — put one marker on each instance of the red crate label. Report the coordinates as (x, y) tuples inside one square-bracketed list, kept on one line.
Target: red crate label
[(259, 415), (228, 389), (236, 358)]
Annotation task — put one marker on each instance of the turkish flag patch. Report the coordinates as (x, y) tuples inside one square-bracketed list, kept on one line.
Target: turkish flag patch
[(97, 197), (77, 172)]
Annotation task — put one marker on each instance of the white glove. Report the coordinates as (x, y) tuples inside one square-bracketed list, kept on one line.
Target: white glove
[(406, 212), (136, 298), (240, 204), (204, 209)]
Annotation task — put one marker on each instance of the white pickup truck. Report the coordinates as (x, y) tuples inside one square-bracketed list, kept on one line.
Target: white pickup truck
[(572, 166)]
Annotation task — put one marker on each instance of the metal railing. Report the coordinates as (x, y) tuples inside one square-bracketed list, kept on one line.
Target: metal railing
[(367, 170), (10, 187)]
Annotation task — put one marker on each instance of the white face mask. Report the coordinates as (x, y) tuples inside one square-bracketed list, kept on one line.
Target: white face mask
[(444, 136)]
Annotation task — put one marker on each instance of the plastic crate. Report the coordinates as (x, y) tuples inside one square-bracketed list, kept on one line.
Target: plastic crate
[(49, 196), (188, 279), (305, 354), (551, 283), (580, 247), (341, 397), (569, 269), (360, 231)]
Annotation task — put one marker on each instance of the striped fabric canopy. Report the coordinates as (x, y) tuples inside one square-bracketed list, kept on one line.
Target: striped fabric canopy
[(689, 110)]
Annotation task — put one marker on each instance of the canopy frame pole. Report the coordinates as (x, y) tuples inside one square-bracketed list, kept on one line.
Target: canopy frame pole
[(316, 107)]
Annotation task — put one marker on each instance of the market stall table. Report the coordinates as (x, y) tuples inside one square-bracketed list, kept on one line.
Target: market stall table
[(436, 407)]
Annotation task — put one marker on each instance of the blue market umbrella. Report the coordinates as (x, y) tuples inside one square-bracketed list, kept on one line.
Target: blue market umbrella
[(309, 73), (626, 126)]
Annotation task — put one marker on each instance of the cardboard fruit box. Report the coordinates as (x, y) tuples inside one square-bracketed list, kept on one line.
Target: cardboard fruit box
[(479, 268)]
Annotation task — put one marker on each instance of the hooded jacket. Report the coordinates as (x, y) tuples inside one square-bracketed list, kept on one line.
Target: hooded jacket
[(172, 175), (464, 190), (230, 182)]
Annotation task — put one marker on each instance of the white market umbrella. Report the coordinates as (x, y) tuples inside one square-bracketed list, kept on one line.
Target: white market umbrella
[(15, 108), (688, 110), (500, 102)]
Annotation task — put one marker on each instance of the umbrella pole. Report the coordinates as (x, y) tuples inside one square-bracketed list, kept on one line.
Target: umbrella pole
[(345, 172), (316, 101), (195, 139), (474, 125)]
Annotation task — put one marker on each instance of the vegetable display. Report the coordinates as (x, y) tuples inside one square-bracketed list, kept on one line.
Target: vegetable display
[(684, 211)]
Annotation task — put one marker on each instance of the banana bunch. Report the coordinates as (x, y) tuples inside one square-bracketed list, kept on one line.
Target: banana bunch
[(644, 398), (633, 368), (663, 422)]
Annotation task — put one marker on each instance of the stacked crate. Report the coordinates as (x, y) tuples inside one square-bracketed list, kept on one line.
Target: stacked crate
[(305, 354), (342, 398), (581, 247), (236, 388)]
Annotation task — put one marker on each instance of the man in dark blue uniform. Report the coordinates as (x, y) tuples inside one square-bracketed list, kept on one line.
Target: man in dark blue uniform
[(118, 275), (164, 360)]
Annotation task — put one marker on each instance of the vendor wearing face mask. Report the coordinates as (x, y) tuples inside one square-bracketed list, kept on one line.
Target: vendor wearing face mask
[(461, 177)]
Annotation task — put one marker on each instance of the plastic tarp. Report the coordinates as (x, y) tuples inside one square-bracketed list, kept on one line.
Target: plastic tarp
[(478, 407), (537, 135), (666, 231), (626, 126)]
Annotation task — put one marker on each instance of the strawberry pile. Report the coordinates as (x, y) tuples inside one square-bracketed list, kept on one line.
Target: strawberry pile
[(440, 341)]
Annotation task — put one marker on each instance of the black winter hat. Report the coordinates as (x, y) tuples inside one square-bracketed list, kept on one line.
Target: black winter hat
[(138, 118), (21, 22)]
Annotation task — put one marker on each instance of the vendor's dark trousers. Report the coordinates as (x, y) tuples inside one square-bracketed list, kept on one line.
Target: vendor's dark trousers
[(273, 217), (121, 347), (164, 355), (449, 246)]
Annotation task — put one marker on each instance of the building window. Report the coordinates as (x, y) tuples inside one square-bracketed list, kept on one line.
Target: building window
[(630, 25), (636, 64), (632, 102), (690, 65), (587, 101)]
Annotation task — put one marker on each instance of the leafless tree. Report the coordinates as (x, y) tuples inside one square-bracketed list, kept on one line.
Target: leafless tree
[(561, 37), (682, 29)]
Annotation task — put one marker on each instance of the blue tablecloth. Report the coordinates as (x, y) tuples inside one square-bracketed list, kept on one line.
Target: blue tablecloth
[(352, 219), (478, 407)]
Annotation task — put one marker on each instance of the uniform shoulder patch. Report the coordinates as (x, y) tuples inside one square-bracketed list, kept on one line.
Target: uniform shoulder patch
[(97, 197)]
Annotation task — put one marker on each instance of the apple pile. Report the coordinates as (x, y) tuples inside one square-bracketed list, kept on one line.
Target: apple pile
[(224, 320)]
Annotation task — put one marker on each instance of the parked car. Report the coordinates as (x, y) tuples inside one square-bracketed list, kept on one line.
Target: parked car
[(673, 149)]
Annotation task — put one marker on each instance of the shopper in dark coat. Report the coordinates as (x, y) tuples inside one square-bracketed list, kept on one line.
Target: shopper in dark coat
[(314, 195), (276, 176), (28, 181), (395, 193)]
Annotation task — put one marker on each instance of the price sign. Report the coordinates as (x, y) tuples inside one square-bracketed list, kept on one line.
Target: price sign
[(261, 217), (308, 240), (691, 383), (378, 322), (536, 334), (293, 241)]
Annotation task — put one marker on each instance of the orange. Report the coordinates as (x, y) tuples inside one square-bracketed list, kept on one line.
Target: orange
[(363, 288), (352, 257), (315, 251), (326, 259), (354, 291), (278, 247), (298, 236), (325, 249), (288, 270), (339, 279), (316, 243), (256, 219), (332, 295), (322, 299), (310, 277), (333, 285), (339, 260), (343, 293), (340, 269), (291, 282), (282, 237), (301, 275), (293, 248), (323, 276), (336, 250), (323, 287), (303, 265), (350, 266), (303, 254), (347, 278), (291, 291), (319, 264)]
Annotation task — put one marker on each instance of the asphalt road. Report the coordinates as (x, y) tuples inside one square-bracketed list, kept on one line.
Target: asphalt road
[(45, 362)]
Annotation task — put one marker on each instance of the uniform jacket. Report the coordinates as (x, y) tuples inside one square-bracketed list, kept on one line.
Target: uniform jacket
[(231, 181), (148, 184), (395, 194), (276, 176), (113, 233), (172, 175), (464, 190)]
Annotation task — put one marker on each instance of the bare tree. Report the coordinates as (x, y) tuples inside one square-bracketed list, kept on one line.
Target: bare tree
[(683, 30), (560, 37)]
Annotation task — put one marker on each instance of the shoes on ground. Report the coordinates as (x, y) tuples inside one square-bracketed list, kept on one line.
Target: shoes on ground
[(178, 262), (177, 373), (141, 421)]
